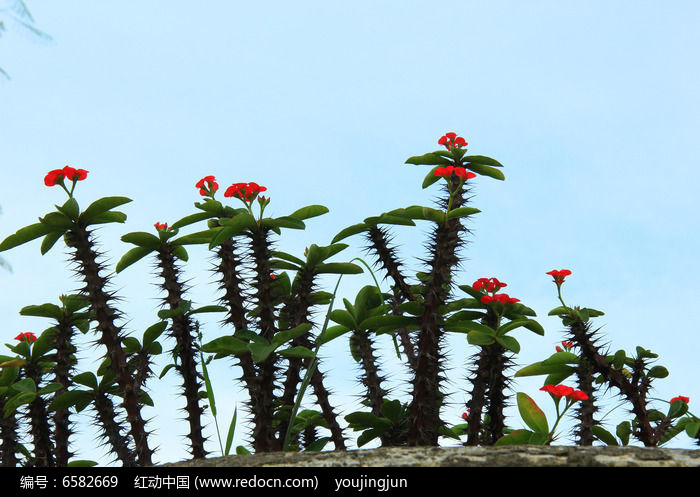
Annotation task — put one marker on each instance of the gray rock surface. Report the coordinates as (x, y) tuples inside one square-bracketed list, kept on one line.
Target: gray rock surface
[(512, 456)]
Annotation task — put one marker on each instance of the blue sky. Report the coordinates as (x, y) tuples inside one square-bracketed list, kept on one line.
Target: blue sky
[(593, 108)]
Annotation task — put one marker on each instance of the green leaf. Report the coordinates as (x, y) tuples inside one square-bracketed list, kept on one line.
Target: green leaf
[(191, 219), (101, 206), (70, 209), (658, 372), (481, 159), (604, 435), (50, 388), (485, 170), (24, 235), (388, 320), (288, 335), (562, 357), (298, 351), (194, 238), (429, 159), (231, 431), (207, 308), (81, 463), (227, 345), (261, 351), (509, 343), (430, 178), (133, 255), (623, 431), (26, 385), (389, 219), (516, 437), (57, 221), (309, 211), (51, 311), (476, 337), (153, 332), (692, 429), (109, 217), (363, 420), (558, 311), (531, 413), (50, 240), (317, 445), (142, 239), (232, 227), (286, 222), (331, 333), (462, 212), (343, 318), (338, 268), (539, 368), (349, 231), (288, 257), (678, 408), (88, 379), (180, 252), (392, 409), (20, 399)]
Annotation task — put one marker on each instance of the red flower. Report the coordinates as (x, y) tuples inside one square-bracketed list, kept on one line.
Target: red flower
[(503, 298), (26, 337), (74, 174), (451, 140), (492, 284), (681, 398), (245, 191), (458, 171), (465, 415), (161, 227), (559, 275), (564, 391), (207, 185), (54, 177)]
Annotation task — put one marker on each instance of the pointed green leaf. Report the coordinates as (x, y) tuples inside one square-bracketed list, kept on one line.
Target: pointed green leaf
[(24, 235), (623, 431), (44, 311), (101, 206), (57, 221), (194, 238), (539, 368), (180, 252), (430, 178), (388, 320), (109, 217), (50, 240), (332, 332), (338, 268), (153, 332), (288, 257), (657, 372), (462, 212), (132, 256), (309, 211), (88, 379), (288, 335), (429, 159), (349, 231), (516, 437), (343, 318), (475, 337), (481, 159), (509, 343), (226, 345), (297, 351), (70, 209), (531, 413), (485, 170), (207, 308), (142, 239), (20, 399), (191, 219), (604, 435)]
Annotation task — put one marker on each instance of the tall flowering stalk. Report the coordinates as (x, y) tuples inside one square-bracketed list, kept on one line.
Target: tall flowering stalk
[(69, 223)]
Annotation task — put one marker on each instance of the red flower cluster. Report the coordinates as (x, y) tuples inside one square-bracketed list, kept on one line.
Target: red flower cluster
[(210, 187), (567, 346), (26, 337), (681, 398), (503, 298), (245, 191), (559, 275), (491, 284), (458, 171), (465, 415), (451, 140), (161, 226), (564, 391), (57, 175)]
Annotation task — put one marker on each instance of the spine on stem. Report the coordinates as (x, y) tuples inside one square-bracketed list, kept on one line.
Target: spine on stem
[(111, 430), (182, 331), (105, 315), (65, 363), (427, 396)]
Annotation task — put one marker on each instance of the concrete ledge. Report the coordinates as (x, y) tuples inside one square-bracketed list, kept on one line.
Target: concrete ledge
[(513, 456)]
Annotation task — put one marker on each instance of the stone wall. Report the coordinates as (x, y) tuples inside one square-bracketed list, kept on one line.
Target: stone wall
[(512, 456)]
